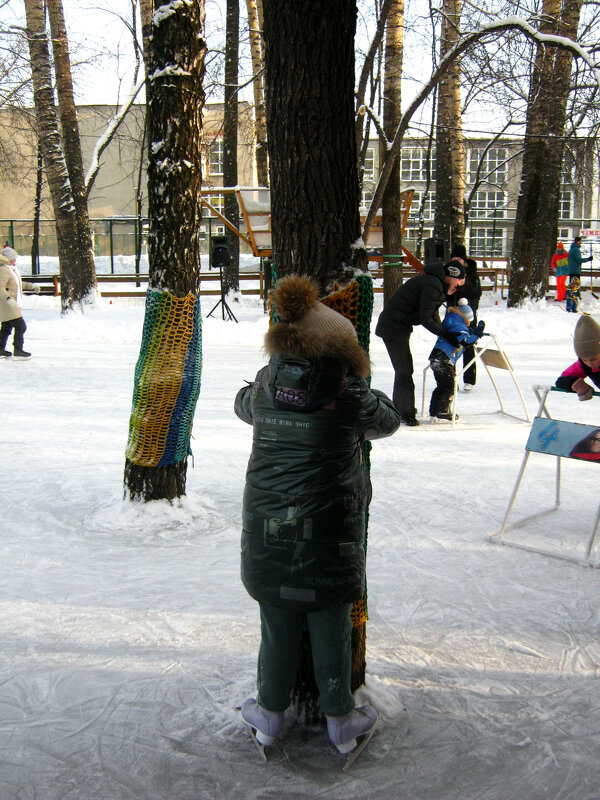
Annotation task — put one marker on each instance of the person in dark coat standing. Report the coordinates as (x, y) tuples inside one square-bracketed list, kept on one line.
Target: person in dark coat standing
[(416, 302), (575, 259), (471, 291), (305, 500)]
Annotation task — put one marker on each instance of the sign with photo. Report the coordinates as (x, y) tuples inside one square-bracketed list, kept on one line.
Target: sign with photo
[(567, 439)]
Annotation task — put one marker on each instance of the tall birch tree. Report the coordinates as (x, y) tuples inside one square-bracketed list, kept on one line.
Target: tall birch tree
[(450, 152), (60, 147), (392, 112), (254, 9), (534, 238)]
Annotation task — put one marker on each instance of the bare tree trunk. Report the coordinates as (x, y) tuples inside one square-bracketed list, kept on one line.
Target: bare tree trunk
[(450, 154), (85, 278), (392, 112), (37, 210), (167, 377), (534, 238), (309, 56), (260, 117), (73, 254), (231, 273)]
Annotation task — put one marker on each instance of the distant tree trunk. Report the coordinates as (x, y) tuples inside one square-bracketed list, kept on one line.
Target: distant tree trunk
[(260, 119), (73, 253), (86, 276), (392, 112), (167, 373), (450, 154), (37, 210), (231, 273), (368, 72), (534, 238), (309, 56), (146, 11)]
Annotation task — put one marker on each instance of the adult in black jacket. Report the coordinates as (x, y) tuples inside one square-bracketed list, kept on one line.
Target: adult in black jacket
[(306, 496), (416, 302), (471, 290)]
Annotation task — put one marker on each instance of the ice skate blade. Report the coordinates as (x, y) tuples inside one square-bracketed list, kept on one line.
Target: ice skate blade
[(259, 745), (354, 754)]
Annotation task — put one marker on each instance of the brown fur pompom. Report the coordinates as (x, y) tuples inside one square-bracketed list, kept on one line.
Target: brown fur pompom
[(294, 296)]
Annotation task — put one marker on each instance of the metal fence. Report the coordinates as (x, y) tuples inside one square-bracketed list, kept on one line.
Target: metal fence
[(111, 237)]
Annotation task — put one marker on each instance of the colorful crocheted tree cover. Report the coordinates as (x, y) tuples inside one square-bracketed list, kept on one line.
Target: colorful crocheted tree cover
[(167, 380), (355, 302)]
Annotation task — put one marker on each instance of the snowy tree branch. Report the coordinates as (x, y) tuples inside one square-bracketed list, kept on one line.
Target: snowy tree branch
[(467, 40)]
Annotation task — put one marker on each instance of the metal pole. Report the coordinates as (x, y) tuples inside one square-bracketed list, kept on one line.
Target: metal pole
[(135, 241), (110, 234)]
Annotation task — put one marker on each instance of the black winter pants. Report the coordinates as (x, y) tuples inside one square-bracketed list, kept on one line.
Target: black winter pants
[(444, 371), (398, 348), (330, 634), (19, 327), (470, 375)]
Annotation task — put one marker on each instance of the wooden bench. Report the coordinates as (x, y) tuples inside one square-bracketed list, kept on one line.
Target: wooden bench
[(50, 284)]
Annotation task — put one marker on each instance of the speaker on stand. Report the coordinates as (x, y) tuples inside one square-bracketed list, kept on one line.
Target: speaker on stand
[(220, 257)]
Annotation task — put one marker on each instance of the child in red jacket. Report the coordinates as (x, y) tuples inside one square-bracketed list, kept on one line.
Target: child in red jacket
[(559, 266)]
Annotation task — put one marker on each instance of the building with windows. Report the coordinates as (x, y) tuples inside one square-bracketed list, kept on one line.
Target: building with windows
[(493, 173), (120, 186)]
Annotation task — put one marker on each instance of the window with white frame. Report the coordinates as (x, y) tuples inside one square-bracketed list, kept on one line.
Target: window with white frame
[(215, 166), (428, 209), (565, 201), (488, 205), (365, 200), (567, 174), (369, 167), (485, 241), (410, 236), (217, 201), (413, 164), (493, 166)]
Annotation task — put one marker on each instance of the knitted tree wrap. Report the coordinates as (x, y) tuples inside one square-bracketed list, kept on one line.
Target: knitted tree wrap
[(166, 381)]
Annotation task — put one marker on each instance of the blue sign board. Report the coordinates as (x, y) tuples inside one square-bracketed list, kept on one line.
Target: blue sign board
[(566, 439)]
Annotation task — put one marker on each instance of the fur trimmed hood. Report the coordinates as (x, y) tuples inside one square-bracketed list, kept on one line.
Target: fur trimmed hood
[(285, 338)]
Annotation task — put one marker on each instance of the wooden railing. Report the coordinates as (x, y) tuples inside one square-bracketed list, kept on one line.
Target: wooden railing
[(136, 285), (492, 272)]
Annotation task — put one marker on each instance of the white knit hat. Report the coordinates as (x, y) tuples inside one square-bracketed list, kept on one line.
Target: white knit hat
[(9, 253), (586, 341)]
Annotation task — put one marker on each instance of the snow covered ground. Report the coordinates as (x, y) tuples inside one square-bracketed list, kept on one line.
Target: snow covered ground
[(127, 639)]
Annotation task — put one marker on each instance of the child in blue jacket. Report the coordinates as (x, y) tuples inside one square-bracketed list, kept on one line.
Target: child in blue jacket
[(444, 356)]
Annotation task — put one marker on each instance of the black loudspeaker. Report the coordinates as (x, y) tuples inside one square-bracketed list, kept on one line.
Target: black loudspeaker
[(435, 251), (219, 253)]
